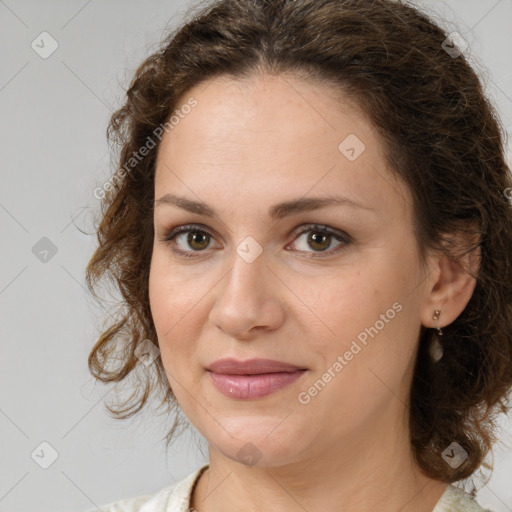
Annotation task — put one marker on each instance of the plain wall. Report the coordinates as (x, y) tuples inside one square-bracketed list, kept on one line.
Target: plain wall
[(54, 112)]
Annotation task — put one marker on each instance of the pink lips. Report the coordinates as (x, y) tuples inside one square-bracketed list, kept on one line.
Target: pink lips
[(254, 378)]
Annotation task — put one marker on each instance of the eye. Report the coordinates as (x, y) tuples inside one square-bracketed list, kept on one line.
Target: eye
[(197, 239), (320, 239)]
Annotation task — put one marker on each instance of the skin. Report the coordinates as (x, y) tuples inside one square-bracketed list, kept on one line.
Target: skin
[(245, 147)]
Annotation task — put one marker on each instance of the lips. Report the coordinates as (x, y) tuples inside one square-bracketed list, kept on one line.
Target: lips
[(251, 367), (252, 379)]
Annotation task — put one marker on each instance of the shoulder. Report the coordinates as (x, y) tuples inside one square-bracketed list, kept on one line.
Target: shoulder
[(457, 500), (172, 498)]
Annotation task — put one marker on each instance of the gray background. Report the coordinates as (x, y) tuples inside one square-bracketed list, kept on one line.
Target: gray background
[(54, 112)]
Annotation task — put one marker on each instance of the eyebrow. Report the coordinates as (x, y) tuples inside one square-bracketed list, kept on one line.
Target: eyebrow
[(277, 211)]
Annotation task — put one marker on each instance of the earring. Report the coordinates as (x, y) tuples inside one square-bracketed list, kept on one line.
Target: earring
[(435, 348)]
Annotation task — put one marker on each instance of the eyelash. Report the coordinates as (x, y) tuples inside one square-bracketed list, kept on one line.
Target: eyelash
[(170, 235)]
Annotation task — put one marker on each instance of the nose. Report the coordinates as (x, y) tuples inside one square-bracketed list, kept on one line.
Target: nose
[(248, 299)]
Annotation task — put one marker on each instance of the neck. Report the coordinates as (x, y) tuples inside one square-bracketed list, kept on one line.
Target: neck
[(374, 471)]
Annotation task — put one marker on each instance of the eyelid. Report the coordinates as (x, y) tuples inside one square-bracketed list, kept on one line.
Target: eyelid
[(339, 235), (169, 236)]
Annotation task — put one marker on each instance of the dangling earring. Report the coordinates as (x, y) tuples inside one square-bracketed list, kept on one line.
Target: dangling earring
[(435, 348)]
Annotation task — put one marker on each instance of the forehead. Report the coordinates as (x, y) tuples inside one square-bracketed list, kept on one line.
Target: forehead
[(267, 110), (274, 134)]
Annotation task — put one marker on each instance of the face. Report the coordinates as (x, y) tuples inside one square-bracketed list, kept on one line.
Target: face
[(334, 289)]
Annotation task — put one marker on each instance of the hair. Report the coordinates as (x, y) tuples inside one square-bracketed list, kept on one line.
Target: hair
[(442, 136)]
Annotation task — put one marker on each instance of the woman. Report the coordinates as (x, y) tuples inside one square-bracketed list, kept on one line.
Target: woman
[(310, 229)]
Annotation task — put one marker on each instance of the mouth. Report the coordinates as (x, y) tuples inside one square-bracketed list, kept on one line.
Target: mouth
[(254, 378), (251, 367)]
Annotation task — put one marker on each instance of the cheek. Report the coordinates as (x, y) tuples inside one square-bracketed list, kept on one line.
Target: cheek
[(174, 306), (172, 295), (376, 339), (363, 317), (343, 304)]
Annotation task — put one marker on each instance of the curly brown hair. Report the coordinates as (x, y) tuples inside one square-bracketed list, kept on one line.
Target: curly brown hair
[(442, 136)]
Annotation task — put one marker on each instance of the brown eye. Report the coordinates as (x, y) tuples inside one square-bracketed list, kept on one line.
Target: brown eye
[(320, 240), (198, 240)]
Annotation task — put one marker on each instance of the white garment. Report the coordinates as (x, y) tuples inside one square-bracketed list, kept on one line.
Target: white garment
[(176, 498)]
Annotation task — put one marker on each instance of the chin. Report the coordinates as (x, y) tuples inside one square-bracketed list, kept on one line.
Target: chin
[(256, 442)]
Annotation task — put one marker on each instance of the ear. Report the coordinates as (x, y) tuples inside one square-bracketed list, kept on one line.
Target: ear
[(451, 284)]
